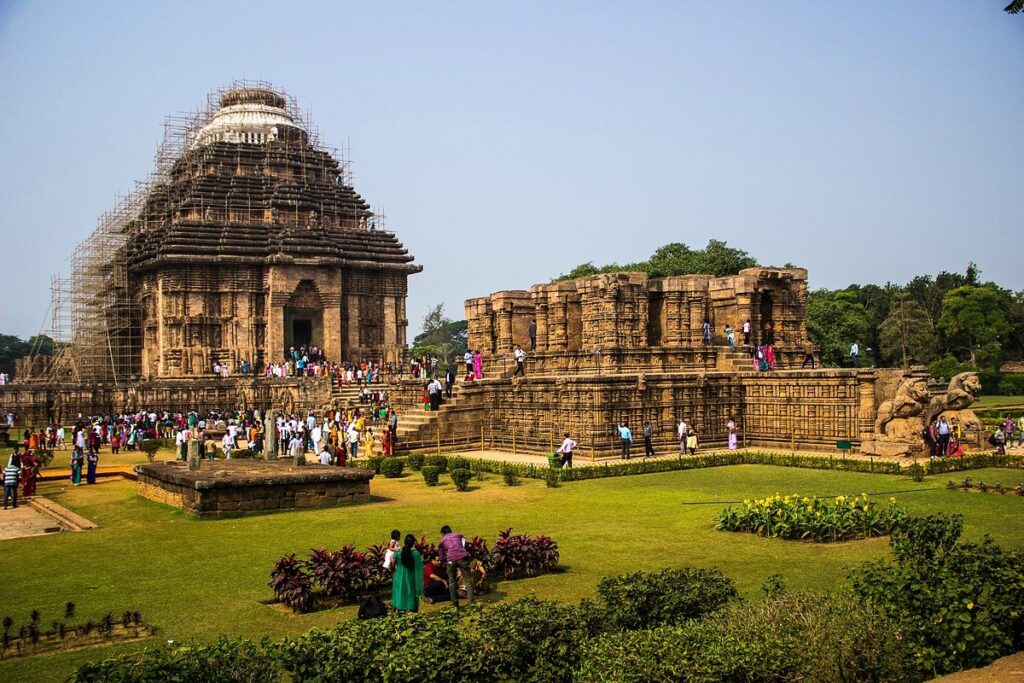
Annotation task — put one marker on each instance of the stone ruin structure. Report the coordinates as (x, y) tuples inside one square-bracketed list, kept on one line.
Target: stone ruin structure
[(620, 322), (622, 347), (247, 240)]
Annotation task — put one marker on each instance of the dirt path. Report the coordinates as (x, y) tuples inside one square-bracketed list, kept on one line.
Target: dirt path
[(1006, 670)]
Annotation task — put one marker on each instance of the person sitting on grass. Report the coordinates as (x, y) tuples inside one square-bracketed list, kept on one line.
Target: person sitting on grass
[(435, 587)]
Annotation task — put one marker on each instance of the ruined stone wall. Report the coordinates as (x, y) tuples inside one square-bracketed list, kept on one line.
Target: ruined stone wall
[(627, 322), (801, 409)]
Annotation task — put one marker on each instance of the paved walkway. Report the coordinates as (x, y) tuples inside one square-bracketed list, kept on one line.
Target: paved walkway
[(25, 521), (581, 458)]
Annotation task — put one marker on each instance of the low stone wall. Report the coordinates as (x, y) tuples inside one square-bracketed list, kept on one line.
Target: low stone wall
[(38, 404), (803, 409), (233, 488)]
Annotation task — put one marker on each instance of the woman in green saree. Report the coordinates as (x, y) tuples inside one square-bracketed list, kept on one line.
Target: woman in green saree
[(407, 583)]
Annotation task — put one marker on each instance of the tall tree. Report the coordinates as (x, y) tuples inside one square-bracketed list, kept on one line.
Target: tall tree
[(907, 334), (975, 323), (441, 336), (835, 319)]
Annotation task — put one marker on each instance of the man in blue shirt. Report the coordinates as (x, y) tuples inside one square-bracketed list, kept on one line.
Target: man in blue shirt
[(627, 439), (854, 352)]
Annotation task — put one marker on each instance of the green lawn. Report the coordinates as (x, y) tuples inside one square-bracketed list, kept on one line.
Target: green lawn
[(1014, 403), (203, 579)]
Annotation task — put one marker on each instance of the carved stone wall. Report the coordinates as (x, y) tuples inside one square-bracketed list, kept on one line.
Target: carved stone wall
[(627, 322), (801, 409)]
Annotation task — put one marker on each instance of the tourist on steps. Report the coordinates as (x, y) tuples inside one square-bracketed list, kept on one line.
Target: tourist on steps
[(648, 440), (520, 357), (11, 475)]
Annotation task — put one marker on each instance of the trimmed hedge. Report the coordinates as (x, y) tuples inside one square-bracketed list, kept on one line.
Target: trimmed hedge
[(438, 461), (668, 597), (391, 468), (461, 477), (431, 474)]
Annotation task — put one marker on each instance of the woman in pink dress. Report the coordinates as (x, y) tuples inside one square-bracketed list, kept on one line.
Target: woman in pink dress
[(478, 365)]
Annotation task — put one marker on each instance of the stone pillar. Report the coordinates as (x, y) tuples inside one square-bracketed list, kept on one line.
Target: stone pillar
[(194, 460), (332, 326), (352, 316), (270, 429)]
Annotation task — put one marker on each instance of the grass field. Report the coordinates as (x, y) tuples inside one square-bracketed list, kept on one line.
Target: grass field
[(196, 579)]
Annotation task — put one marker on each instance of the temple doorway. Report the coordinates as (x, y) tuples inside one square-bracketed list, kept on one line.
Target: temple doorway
[(302, 332), (766, 320), (303, 319)]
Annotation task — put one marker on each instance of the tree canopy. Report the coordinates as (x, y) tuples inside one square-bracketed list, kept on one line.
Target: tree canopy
[(950, 322), (12, 347), (442, 337), (717, 258)]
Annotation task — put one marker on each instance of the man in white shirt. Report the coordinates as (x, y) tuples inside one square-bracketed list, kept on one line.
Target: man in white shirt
[(520, 357), (295, 447), (682, 435), (316, 435), (566, 449), (181, 442), (467, 357), (325, 457), (226, 444), (353, 440)]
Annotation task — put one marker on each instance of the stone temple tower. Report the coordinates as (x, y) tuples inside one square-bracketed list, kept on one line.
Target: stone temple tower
[(252, 241)]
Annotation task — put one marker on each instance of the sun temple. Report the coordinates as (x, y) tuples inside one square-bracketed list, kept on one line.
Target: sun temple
[(249, 239)]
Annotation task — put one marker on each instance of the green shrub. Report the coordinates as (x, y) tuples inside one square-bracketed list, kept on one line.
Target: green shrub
[(415, 461), (824, 638), (670, 596), (528, 640), (461, 477), (457, 462), (374, 463), (431, 474), (438, 461), (510, 477), (230, 661), (391, 468), (149, 447), (551, 477), (961, 605), (241, 454), (947, 367)]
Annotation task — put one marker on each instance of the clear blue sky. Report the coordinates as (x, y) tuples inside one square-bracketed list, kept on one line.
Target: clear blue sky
[(508, 142)]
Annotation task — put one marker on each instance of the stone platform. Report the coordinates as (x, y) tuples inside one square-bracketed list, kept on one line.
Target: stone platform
[(238, 487)]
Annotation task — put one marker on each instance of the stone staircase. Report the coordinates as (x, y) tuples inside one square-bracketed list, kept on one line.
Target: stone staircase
[(418, 426), (345, 396)]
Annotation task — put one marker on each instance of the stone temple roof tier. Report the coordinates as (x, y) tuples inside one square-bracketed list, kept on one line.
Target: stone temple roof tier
[(252, 187)]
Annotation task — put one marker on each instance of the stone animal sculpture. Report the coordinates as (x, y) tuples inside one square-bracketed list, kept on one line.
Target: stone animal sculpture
[(900, 415)]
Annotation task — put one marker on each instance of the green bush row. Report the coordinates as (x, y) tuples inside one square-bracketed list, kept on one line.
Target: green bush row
[(512, 471), (527, 639)]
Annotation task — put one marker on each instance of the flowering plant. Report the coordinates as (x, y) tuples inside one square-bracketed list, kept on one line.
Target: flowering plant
[(812, 518)]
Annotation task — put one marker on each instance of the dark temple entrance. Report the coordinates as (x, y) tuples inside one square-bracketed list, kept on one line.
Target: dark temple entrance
[(302, 332), (766, 322)]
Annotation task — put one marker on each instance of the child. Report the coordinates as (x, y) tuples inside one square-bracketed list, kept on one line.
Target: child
[(393, 547)]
